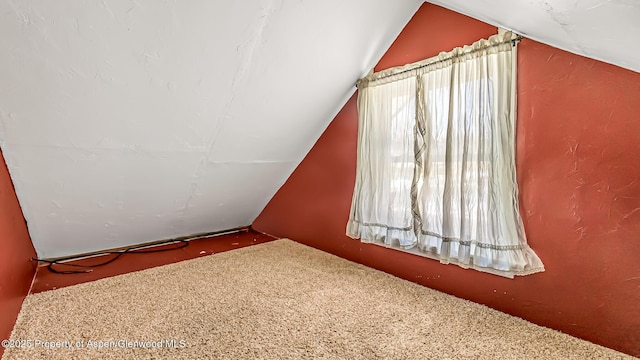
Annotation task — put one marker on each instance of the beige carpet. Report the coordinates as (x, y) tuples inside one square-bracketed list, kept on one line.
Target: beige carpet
[(278, 300)]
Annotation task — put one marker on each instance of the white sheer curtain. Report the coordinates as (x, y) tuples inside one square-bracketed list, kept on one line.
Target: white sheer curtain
[(436, 160)]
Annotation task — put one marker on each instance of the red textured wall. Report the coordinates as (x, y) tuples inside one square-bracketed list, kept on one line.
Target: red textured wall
[(579, 174), (16, 251)]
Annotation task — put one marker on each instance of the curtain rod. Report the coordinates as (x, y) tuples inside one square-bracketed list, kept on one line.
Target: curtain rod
[(513, 42)]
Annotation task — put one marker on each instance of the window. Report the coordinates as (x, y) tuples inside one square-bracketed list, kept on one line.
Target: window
[(436, 160)]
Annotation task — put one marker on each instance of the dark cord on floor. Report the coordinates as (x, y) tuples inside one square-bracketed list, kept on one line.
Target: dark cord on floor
[(118, 254)]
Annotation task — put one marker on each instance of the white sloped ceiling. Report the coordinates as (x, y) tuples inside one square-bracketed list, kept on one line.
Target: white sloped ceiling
[(606, 30), (128, 121)]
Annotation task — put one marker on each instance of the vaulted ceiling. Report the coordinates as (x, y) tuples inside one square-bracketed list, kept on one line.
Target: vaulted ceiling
[(127, 121), (601, 29)]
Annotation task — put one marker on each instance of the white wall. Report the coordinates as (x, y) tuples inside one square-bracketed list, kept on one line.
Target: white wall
[(124, 122)]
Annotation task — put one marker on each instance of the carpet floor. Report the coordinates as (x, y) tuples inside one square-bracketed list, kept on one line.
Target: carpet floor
[(277, 300)]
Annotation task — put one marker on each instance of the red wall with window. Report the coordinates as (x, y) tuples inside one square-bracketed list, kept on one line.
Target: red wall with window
[(16, 251), (578, 159)]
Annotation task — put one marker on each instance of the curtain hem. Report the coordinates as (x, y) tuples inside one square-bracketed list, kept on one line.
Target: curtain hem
[(533, 264), (415, 250)]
